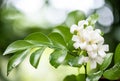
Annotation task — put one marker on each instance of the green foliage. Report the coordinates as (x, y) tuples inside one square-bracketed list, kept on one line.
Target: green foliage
[(70, 45), (17, 46), (57, 57), (79, 77), (38, 39), (73, 61), (35, 57), (70, 78), (65, 32), (57, 40), (94, 76), (60, 40), (36, 43), (106, 62), (113, 73), (117, 54), (16, 59)]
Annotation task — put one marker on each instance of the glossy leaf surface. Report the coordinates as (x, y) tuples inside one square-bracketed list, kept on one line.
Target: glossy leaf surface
[(65, 32), (74, 61), (70, 78), (94, 76), (38, 38), (16, 46), (113, 73), (107, 61), (57, 57), (117, 54), (15, 60), (57, 40), (35, 57)]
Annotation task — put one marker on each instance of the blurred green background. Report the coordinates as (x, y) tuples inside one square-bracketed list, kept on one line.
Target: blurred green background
[(18, 18)]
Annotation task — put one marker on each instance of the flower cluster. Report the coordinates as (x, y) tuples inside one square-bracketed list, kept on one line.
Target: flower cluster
[(87, 38)]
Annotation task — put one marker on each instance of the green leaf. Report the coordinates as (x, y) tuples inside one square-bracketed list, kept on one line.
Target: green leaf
[(107, 61), (57, 57), (70, 45), (70, 78), (93, 19), (39, 39), (113, 73), (80, 77), (16, 46), (15, 60), (65, 32), (94, 76), (74, 61), (57, 40), (117, 54), (35, 57)]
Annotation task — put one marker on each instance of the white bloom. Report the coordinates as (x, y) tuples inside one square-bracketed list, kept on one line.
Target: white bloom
[(94, 62), (82, 23), (81, 60), (96, 54), (76, 45), (91, 41), (102, 49), (92, 54), (73, 28), (98, 30), (79, 27), (75, 38)]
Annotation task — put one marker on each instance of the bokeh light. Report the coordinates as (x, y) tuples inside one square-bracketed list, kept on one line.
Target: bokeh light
[(105, 16)]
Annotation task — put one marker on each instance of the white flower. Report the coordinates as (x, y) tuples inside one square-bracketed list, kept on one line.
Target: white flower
[(102, 49), (94, 49), (73, 28), (82, 23), (96, 54), (79, 27), (93, 62), (89, 39), (81, 60), (85, 37)]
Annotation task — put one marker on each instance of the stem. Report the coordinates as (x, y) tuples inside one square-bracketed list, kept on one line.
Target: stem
[(85, 71), (81, 52)]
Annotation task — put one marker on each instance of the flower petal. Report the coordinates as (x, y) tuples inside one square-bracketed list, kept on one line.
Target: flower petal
[(94, 46), (105, 47), (75, 38), (102, 53), (73, 28), (99, 60), (76, 45), (89, 28), (83, 45), (83, 22), (93, 64), (98, 31), (86, 59), (89, 48), (92, 54), (81, 60)]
